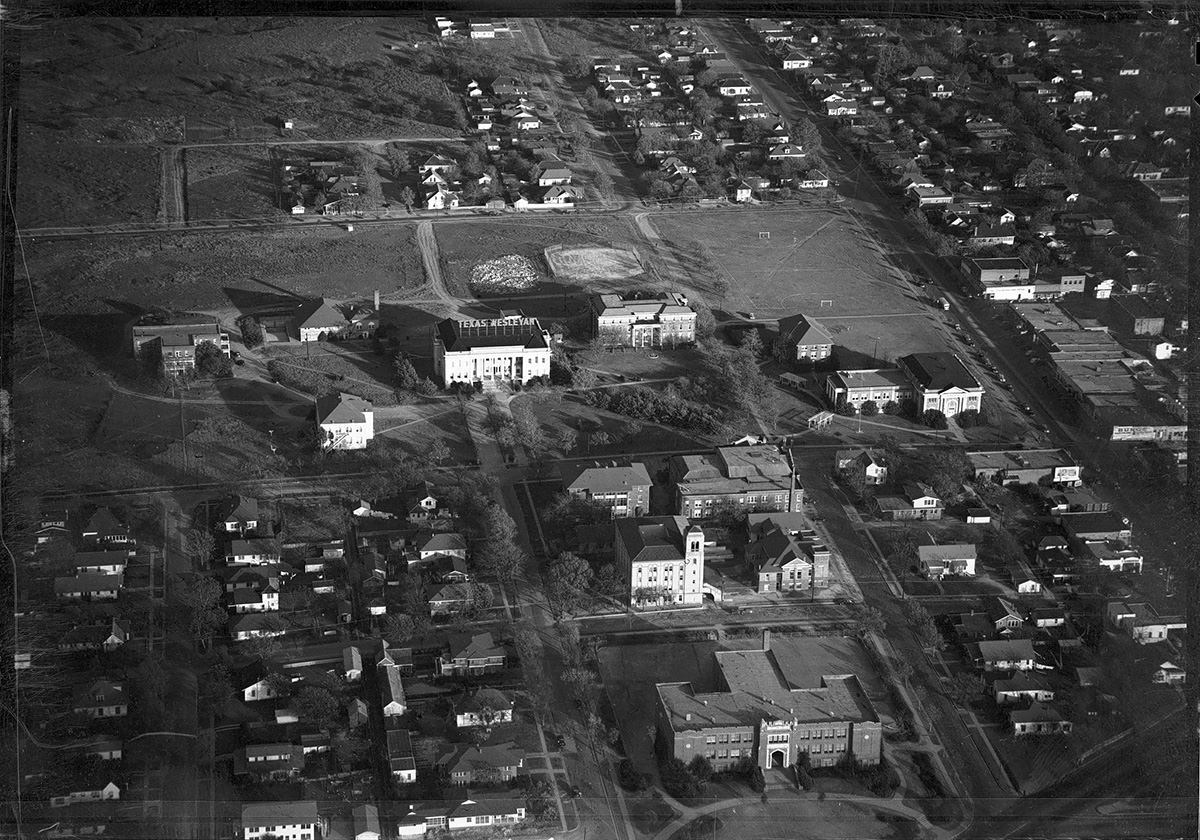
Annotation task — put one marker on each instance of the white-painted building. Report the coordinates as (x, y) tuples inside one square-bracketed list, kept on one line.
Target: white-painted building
[(511, 348), (345, 421), (664, 559), (282, 820)]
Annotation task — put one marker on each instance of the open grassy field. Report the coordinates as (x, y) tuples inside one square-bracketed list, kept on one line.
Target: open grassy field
[(588, 37), (235, 182), (462, 245), (816, 262), (223, 273), (62, 181)]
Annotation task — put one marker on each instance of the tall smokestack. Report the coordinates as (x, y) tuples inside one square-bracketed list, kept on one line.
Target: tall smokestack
[(377, 301)]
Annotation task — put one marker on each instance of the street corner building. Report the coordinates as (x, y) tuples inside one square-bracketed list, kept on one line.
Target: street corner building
[(491, 351), (757, 712), (663, 557)]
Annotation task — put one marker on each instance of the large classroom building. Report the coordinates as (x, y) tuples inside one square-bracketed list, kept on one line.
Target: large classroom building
[(757, 711), (509, 348)]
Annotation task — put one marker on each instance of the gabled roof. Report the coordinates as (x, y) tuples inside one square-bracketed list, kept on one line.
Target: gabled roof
[(242, 509), (103, 521), (441, 541), (776, 551), (473, 646), (1036, 713), (596, 478), (317, 313), (270, 814), (941, 554), (653, 538), (342, 408), (1022, 681), (1009, 650), (468, 758), (391, 688), (484, 698), (803, 330), (110, 693), (87, 582)]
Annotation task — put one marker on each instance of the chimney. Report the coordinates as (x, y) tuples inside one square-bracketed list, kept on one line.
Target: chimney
[(377, 301), (766, 643)]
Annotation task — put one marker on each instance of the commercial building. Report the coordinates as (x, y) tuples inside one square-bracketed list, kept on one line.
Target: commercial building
[(941, 381), (625, 490), (175, 343), (1025, 466), (510, 348), (1000, 278), (662, 557), (345, 421), (665, 321), (755, 711), (1142, 622), (757, 478)]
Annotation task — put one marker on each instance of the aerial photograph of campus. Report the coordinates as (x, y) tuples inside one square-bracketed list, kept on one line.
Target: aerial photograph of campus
[(701, 427)]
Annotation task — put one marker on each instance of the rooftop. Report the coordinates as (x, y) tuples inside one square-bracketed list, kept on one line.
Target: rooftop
[(599, 478), (939, 371), (342, 408), (510, 331), (651, 539)]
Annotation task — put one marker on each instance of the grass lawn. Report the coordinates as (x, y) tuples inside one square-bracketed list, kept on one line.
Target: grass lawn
[(810, 256), (231, 183), (785, 816), (569, 413), (435, 421), (61, 181), (220, 274), (649, 814), (330, 369), (462, 245)]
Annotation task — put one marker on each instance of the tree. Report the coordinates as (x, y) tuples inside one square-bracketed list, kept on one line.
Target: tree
[(678, 781), (408, 198), (200, 600), (630, 778), (397, 158), (868, 620), (701, 768), (568, 581), (210, 361), (406, 374), (252, 332), (869, 408), (565, 440), (318, 704), (891, 407), (199, 546), (400, 627), (500, 555), (904, 550), (964, 689), (933, 418)]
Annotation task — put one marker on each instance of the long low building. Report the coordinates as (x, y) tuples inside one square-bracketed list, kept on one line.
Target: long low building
[(757, 712), (855, 387), (1025, 466)]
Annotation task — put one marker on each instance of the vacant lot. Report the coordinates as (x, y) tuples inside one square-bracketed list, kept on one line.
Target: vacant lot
[(63, 182), (464, 244), (329, 371), (223, 273), (237, 78), (231, 183), (587, 37), (781, 263)]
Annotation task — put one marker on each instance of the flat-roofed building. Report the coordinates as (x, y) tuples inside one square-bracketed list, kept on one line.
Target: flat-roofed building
[(758, 711), (755, 477), (1025, 466), (662, 321), (176, 343), (510, 348), (855, 387)]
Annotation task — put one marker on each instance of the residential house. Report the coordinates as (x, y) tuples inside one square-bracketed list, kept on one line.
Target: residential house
[(624, 490), (90, 586), (1038, 719), (268, 761), (470, 654), (430, 545), (441, 197), (251, 552), (92, 791), (469, 764), (439, 164), (250, 600), (1051, 616), (973, 627), (401, 760), (917, 502), (344, 421), (451, 816), (52, 525), (553, 173), (317, 320), (102, 698), (662, 558), (938, 561), (451, 599), (483, 707), (785, 151), (366, 817), (104, 748), (1170, 674), (104, 529), (251, 681), (1022, 581), (105, 637), (1005, 655), (391, 691), (1004, 615), (352, 663), (803, 339), (865, 467), (242, 515), (282, 819), (254, 626)]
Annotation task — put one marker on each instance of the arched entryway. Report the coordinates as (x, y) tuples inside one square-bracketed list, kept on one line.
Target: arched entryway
[(777, 759)]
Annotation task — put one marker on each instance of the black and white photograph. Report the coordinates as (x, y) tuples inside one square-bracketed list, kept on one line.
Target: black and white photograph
[(485, 422)]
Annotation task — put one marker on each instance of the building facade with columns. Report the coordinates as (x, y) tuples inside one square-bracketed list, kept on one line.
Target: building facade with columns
[(506, 349)]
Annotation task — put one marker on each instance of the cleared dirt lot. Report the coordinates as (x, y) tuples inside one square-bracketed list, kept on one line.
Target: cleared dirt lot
[(60, 181), (231, 183), (221, 272), (463, 245)]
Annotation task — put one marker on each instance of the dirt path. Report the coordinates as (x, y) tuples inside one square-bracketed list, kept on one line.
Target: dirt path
[(431, 260), (171, 208)]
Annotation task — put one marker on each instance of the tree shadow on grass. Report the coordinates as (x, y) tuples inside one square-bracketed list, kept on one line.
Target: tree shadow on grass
[(249, 301)]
